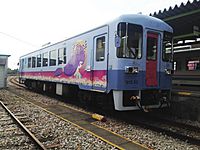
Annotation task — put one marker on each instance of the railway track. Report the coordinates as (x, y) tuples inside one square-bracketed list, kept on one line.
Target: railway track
[(83, 120), (158, 123), (14, 81), (183, 132), (53, 131), (21, 132)]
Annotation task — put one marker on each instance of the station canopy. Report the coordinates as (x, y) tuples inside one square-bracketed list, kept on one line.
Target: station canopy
[(185, 20)]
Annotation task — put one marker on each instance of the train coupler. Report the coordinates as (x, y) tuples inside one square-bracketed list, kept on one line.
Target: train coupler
[(163, 100), (136, 100)]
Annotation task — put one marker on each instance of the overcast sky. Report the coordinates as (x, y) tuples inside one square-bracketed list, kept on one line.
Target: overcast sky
[(25, 25)]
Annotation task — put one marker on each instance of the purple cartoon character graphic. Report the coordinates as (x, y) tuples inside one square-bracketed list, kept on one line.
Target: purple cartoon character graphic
[(77, 60), (77, 74), (58, 72)]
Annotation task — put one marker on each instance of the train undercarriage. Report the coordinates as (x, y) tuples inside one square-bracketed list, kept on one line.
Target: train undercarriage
[(118, 100)]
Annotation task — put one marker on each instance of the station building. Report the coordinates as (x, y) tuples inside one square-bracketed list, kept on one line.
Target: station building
[(3, 70)]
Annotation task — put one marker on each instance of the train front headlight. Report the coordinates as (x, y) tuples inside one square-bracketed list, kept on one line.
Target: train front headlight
[(131, 69), (168, 71)]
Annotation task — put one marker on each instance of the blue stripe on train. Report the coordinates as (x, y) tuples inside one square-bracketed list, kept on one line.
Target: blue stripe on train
[(119, 80)]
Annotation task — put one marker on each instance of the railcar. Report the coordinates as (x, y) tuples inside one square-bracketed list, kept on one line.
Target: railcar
[(126, 62)]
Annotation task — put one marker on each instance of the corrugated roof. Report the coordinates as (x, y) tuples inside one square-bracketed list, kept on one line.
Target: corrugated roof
[(184, 19), (177, 10)]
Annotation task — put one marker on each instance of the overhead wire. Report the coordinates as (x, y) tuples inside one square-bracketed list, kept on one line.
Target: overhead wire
[(13, 37)]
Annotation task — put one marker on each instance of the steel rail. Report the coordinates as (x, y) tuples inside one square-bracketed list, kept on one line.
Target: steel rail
[(12, 80), (146, 124), (180, 136), (35, 140)]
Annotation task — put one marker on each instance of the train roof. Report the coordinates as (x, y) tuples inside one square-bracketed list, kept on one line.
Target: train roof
[(144, 20)]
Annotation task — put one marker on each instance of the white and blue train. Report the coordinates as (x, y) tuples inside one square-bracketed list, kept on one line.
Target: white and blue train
[(127, 63)]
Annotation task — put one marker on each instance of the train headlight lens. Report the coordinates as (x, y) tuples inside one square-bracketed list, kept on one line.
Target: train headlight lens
[(130, 69), (168, 71)]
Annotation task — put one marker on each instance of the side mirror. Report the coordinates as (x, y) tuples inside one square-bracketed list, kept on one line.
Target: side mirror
[(117, 41)]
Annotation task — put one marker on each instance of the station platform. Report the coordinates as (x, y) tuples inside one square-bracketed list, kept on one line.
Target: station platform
[(186, 93), (185, 102)]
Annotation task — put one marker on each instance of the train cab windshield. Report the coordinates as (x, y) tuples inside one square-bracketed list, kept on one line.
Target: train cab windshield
[(130, 40), (167, 47)]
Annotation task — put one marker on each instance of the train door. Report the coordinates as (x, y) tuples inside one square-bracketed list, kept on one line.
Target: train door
[(99, 74), (152, 59)]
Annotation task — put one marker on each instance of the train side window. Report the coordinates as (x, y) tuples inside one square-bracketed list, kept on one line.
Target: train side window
[(33, 62), (39, 60), (61, 56), (100, 48), (167, 47), (25, 62), (131, 40), (52, 58), (29, 62), (121, 32), (45, 59)]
